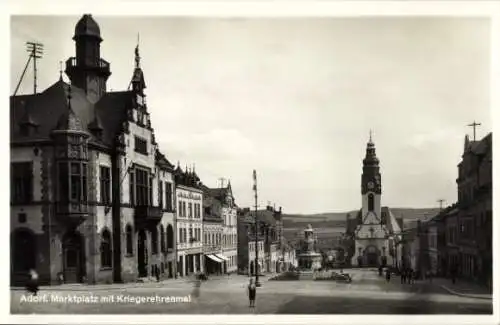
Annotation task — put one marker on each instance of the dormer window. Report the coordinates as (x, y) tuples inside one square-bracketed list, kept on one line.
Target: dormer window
[(141, 146)]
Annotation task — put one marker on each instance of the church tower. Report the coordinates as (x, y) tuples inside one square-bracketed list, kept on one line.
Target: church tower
[(371, 187), (87, 70)]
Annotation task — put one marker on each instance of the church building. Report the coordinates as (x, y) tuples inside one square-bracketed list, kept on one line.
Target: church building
[(376, 230), (92, 196)]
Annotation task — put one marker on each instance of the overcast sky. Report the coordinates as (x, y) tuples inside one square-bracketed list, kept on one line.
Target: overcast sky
[(295, 98)]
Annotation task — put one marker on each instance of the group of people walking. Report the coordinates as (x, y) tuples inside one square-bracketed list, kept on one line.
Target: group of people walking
[(407, 276)]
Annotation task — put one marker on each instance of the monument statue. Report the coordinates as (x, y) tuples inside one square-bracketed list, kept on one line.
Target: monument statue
[(308, 258)]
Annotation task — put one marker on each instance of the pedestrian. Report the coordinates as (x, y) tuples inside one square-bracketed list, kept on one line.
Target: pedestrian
[(387, 275), (157, 273), (252, 291), (197, 286), (32, 285), (403, 276)]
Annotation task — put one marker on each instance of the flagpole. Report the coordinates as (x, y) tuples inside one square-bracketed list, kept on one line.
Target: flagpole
[(256, 269)]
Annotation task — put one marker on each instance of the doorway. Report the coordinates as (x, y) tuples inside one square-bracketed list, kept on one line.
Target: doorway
[(23, 254), (142, 254), (73, 257), (371, 256)]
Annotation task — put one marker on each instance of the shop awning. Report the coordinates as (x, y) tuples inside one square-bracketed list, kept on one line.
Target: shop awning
[(214, 258), (222, 257)]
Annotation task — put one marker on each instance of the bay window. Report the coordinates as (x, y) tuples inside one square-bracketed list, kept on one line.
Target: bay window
[(72, 181)]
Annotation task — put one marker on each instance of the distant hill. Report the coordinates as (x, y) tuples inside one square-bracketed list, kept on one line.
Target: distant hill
[(333, 223)]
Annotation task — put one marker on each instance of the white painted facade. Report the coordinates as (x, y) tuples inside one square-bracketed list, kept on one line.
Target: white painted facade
[(189, 229), (230, 236)]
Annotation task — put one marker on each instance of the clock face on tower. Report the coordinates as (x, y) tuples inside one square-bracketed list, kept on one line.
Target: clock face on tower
[(370, 185)]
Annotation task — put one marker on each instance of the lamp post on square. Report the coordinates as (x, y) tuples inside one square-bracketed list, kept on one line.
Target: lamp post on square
[(257, 283)]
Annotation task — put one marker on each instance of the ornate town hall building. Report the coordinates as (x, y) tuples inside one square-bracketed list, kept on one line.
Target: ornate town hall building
[(92, 196), (375, 229)]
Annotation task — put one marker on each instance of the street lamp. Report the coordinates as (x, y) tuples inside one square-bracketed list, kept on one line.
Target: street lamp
[(256, 269)]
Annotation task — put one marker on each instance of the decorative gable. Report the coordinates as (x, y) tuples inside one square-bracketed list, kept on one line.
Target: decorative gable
[(371, 218)]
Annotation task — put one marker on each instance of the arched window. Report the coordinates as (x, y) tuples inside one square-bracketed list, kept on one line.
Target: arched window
[(371, 202), (170, 237), (106, 252), (154, 240), (162, 238), (129, 237)]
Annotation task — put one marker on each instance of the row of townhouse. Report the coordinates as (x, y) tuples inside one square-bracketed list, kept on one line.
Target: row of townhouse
[(261, 244), (93, 199), (457, 242)]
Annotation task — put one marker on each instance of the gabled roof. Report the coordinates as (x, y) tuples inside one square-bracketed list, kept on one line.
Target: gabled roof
[(392, 224), (112, 110), (162, 161), (48, 107)]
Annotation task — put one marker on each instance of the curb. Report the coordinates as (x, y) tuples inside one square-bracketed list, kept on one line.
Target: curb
[(484, 297)]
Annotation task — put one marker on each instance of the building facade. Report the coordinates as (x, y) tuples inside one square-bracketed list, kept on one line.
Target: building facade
[(457, 242), (474, 185), (376, 228), (212, 233), (228, 210), (189, 200), (270, 250), (90, 187)]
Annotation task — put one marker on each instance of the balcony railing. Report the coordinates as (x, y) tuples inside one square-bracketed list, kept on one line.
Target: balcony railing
[(148, 214), (72, 212), (72, 63)]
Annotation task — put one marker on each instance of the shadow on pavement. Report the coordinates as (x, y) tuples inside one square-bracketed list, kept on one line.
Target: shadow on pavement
[(348, 305), (417, 301)]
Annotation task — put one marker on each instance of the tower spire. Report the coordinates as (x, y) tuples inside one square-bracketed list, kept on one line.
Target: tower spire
[(137, 56), (371, 136)]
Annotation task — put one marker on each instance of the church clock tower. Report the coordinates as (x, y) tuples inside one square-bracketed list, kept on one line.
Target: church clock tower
[(87, 70), (371, 187)]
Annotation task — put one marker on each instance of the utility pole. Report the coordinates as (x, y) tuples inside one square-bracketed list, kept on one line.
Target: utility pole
[(440, 204), (222, 180), (36, 51), (474, 125), (256, 268)]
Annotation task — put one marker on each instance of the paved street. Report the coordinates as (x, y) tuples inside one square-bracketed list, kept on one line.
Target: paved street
[(367, 294)]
